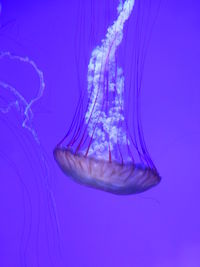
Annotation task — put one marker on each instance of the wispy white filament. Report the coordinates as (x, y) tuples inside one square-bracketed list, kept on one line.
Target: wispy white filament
[(19, 101)]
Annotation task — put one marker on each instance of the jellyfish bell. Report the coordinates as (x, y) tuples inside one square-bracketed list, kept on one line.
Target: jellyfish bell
[(99, 150), (113, 177)]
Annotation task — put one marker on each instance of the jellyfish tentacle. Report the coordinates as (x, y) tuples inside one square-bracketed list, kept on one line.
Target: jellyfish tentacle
[(102, 69), (24, 104)]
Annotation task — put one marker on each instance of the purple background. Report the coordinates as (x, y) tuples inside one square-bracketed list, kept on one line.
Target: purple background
[(156, 229)]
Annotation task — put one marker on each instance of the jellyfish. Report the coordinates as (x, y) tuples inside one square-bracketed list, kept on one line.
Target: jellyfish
[(99, 149), (18, 132)]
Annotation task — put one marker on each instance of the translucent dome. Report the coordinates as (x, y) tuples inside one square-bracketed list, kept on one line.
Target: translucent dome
[(104, 175)]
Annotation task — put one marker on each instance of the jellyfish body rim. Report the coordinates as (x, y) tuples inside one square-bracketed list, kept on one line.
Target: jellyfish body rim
[(112, 177)]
